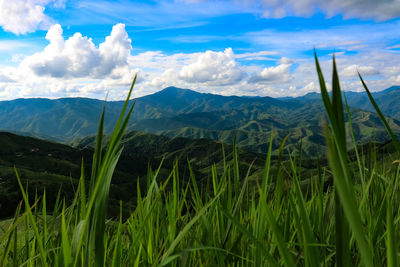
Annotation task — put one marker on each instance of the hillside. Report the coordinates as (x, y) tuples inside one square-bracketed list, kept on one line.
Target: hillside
[(175, 112), (57, 167), (43, 164)]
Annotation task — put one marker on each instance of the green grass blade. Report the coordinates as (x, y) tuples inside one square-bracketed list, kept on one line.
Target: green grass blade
[(348, 204), (338, 161), (390, 236), (13, 231), (94, 222), (312, 253), (381, 116), (270, 260), (97, 155), (65, 244), (43, 254), (187, 227)]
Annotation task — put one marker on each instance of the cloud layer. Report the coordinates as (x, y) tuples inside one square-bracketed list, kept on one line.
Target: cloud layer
[(370, 9), (380, 10), (76, 66)]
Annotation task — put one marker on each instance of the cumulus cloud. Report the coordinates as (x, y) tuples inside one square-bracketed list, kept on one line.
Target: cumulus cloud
[(5, 78), (286, 60), (278, 74), (8, 75), (24, 16), (352, 70), (216, 68), (78, 56)]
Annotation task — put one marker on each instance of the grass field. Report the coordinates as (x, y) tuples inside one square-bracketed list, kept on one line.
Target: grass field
[(281, 218)]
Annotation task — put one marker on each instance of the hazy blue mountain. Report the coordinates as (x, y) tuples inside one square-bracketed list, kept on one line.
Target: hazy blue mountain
[(387, 100)]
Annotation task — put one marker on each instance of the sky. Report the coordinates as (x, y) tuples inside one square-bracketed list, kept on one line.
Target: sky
[(94, 48)]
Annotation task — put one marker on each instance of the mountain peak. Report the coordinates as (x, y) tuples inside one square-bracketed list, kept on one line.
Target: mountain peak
[(172, 89), (175, 90)]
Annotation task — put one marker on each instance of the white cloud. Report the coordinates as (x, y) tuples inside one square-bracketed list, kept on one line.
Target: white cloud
[(5, 78), (59, 3), (12, 45), (24, 16), (394, 46), (260, 55), (285, 60), (351, 71), (78, 56), (278, 74), (157, 70), (8, 75), (213, 68), (157, 61)]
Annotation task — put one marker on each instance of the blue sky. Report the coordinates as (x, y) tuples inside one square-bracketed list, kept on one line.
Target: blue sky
[(66, 48)]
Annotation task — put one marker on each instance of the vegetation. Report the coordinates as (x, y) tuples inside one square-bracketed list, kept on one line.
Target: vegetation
[(54, 166), (281, 218)]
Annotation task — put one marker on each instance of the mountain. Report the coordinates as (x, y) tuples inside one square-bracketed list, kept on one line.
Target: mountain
[(386, 99), (175, 112)]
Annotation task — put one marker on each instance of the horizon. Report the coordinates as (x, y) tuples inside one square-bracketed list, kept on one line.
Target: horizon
[(68, 48), (397, 87)]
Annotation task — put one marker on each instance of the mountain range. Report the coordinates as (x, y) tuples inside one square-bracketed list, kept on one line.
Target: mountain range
[(175, 112)]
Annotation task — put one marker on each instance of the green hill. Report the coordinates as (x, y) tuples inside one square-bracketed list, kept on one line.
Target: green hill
[(175, 112)]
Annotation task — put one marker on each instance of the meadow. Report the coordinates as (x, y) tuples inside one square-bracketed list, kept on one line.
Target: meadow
[(279, 219)]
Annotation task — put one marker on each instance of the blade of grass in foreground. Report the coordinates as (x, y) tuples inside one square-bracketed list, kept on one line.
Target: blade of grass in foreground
[(338, 161), (341, 225), (394, 139), (390, 236), (167, 256), (94, 222), (38, 238), (390, 233)]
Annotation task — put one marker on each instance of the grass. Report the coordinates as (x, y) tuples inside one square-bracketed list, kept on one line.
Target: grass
[(281, 218)]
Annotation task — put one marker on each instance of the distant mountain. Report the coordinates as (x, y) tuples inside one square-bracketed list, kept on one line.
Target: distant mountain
[(175, 112), (387, 100)]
